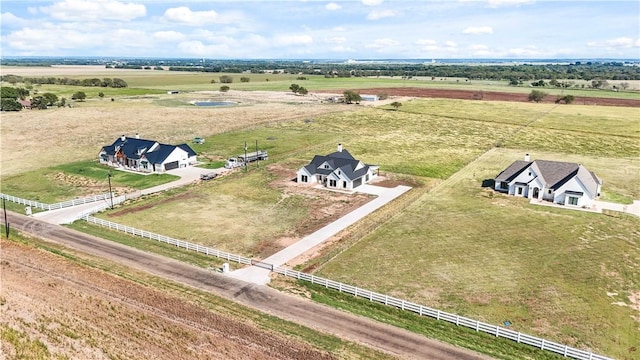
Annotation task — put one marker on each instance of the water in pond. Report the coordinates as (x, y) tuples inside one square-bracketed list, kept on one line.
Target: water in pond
[(213, 103)]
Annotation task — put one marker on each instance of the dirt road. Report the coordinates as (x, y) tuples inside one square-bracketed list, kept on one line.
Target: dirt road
[(376, 335)]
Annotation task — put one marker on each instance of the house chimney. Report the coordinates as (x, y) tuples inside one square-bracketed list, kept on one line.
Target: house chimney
[(339, 147), (137, 136), (527, 158), (122, 137)]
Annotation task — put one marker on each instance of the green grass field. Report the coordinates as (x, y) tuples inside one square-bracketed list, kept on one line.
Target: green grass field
[(467, 250), (69, 181)]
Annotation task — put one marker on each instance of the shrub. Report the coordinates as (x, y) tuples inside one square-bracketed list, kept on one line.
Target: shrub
[(224, 88)]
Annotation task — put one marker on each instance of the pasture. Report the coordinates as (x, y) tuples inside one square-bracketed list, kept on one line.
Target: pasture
[(566, 275)]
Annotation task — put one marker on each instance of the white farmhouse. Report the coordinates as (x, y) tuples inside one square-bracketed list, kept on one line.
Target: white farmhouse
[(147, 156), (338, 170), (560, 182)]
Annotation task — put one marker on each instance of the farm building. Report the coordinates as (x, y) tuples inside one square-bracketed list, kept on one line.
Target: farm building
[(147, 156), (560, 182), (338, 170)]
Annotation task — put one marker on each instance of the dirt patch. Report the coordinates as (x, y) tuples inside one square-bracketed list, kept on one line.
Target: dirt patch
[(78, 312), (326, 207), (492, 96)]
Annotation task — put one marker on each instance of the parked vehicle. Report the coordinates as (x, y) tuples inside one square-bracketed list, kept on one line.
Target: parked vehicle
[(243, 159), (208, 176), (198, 140)]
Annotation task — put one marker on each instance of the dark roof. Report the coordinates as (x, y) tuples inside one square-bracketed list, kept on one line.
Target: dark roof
[(188, 149), (512, 171), (160, 154), (339, 160), (134, 148)]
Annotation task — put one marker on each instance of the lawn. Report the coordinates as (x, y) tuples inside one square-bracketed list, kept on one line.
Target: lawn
[(564, 275), (77, 179)]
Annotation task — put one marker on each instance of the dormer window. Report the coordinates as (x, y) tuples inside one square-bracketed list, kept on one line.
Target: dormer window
[(529, 173)]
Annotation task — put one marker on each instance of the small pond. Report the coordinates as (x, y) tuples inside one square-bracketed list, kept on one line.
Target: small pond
[(214, 103)]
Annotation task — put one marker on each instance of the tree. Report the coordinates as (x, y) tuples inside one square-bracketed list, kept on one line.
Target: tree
[(244, 79), (119, 83), (49, 99), (294, 88), (80, 96), (101, 94), (351, 96), (226, 79), (396, 105), (38, 102), (567, 99), (514, 81), (62, 102), (303, 91), (10, 104), (537, 95), (224, 88)]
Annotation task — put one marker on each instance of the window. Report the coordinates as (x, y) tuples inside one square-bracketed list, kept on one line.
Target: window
[(572, 200), (332, 183), (304, 178), (504, 185), (519, 191), (145, 165), (550, 191), (344, 184), (529, 173)]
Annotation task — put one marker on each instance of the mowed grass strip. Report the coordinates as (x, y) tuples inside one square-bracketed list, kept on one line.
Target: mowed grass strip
[(564, 275)]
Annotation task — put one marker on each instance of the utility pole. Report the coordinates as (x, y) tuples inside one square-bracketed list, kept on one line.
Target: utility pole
[(258, 159), (6, 223), (246, 163), (110, 192)]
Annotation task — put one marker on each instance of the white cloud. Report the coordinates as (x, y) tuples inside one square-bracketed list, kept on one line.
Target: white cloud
[(478, 30), (478, 47), (450, 44), (425, 42), (379, 14), (8, 19), (372, 2), (342, 49), (184, 15), (501, 3), (530, 51), (333, 6), (339, 29), (621, 42), (382, 43), (637, 43), (88, 11), (289, 40), (336, 40), (39, 41), (168, 36)]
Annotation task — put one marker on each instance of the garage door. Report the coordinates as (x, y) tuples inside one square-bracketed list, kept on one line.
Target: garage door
[(171, 165), (357, 182)]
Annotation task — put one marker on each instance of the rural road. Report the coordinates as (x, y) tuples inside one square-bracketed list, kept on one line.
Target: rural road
[(387, 338)]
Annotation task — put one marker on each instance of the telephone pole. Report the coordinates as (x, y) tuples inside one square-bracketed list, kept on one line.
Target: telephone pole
[(110, 192)]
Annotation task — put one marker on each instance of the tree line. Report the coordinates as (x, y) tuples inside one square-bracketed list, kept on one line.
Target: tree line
[(92, 82)]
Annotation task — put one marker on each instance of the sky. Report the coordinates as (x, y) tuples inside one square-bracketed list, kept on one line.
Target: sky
[(314, 29)]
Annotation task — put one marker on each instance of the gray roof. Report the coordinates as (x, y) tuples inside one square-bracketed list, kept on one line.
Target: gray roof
[(553, 174), (512, 171)]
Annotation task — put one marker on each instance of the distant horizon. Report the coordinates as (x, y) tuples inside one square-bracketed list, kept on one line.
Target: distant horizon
[(346, 60), (522, 30)]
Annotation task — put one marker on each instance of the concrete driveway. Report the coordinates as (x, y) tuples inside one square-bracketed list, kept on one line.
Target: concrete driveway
[(384, 196)]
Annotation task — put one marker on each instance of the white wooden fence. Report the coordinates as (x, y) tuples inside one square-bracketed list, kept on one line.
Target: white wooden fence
[(168, 240), (55, 206), (494, 330)]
